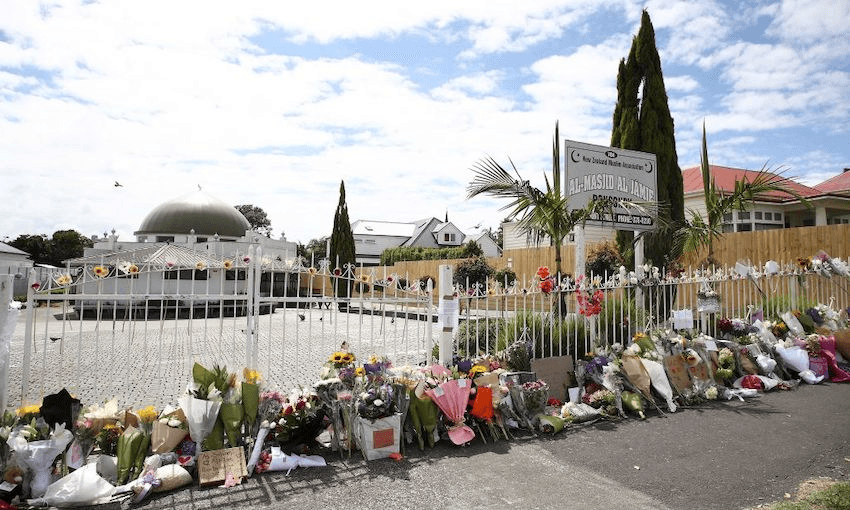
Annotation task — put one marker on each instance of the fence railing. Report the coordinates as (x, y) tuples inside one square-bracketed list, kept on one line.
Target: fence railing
[(131, 329)]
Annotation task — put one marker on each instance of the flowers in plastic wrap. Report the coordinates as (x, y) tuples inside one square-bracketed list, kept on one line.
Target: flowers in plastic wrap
[(658, 378), (726, 364), (299, 419), (633, 402), (423, 415), (452, 398), (201, 404), (251, 396), (132, 447), (38, 454), (580, 412), (168, 430), (268, 411), (83, 487), (376, 402)]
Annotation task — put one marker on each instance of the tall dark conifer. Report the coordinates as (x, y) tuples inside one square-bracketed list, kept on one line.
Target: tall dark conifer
[(645, 124), (342, 243)]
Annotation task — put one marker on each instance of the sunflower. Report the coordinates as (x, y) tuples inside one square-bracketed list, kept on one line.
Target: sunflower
[(30, 409), (348, 358), (200, 266), (477, 369), (336, 357), (312, 271), (360, 371)]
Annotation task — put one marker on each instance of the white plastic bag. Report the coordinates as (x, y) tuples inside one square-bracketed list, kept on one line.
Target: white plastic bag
[(793, 324), (200, 416), (766, 364), (795, 358), (810, 377), (659, 381), (83, 487), (39, 455)]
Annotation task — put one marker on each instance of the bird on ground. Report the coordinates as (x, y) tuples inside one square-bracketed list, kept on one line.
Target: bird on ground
[(301, 316), (118, 184), (54, 338)]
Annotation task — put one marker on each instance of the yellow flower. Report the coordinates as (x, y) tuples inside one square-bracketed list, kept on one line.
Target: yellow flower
[(251, 376), (148, 414), (228, 264), (364, 278), (359, 371), (100, 271), (312, 271), (348, 358), (63, 279), (477, 369), (110, 426), (336, 357), (133, 269), (30, 409), (200, 266)]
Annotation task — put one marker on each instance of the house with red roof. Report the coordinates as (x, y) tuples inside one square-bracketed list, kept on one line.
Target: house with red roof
[(829, 202)]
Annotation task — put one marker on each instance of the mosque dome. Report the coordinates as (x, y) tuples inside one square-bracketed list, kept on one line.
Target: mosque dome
[(197, 211)]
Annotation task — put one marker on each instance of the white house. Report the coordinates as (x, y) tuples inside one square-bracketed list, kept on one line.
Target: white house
[(371, 238), (15, 262)]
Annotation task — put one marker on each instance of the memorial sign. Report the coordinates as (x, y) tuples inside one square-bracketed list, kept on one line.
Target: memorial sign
[(599, 172)]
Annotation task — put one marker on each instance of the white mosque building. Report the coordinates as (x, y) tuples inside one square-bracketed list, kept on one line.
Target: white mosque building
[(192, 245)]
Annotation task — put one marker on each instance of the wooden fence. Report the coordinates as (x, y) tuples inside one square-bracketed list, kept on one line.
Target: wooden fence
[(782, 245)]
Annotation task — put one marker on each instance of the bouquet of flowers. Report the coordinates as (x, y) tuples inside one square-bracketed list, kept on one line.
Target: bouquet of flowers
[(452, 398), (726, 364), (547, 281), (376, 402), (168, 430), (589, 304), (423, 414), (268, 412), (202, 402), (36, 447), (529, 400), (734, 328)]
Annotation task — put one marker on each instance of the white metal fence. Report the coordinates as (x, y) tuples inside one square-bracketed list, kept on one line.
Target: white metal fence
[(131, 328)]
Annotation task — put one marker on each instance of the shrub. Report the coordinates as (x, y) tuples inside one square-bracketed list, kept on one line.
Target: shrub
[(603, 259), (620, 319), (477, 336), (545, 335), (505, 277), (473, 271), (407, 253)]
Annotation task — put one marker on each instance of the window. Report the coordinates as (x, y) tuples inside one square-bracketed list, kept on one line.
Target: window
[(745, 227), (727, 217), (448, 238), (233, 274), (743, 215), (184, 274), (369, 241), (165, 239), (758, 215)]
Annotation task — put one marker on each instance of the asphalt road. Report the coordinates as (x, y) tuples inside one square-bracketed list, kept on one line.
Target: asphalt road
[(722, 455)]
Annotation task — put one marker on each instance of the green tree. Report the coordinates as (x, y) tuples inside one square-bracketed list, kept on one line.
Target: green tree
[(38, 247), (342, 242), (645, 124), (257, 217), (67, 244), (316, 249), (698, 232), (540, 213)]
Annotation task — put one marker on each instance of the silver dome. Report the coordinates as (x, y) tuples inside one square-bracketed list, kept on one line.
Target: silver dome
[(197, 211)]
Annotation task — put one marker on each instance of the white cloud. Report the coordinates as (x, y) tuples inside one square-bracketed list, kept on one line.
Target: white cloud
[(808, 20)]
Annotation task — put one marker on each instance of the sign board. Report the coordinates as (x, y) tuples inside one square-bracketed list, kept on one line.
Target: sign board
[(215, 465), (595, 171), (556, 372)]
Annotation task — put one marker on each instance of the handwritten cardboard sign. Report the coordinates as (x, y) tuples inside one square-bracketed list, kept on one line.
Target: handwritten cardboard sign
[(677, 371), (214, 465), (556, 372)]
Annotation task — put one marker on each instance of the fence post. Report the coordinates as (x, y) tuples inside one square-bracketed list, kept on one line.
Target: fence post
[(252, 291), (429, 318), (7, 327), (25, 370), (448, 313), (639, 244)]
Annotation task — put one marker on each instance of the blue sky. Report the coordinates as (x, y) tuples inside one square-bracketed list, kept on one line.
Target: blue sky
[(273, 104)]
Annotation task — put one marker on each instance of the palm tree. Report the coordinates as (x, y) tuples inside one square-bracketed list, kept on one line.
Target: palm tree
[(699, 232), (540, 213)]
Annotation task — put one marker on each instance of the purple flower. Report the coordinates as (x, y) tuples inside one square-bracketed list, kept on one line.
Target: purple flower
[(811, 312)]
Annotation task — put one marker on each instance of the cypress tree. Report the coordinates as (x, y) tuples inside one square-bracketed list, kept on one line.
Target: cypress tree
[(342, 244), (646, 125)]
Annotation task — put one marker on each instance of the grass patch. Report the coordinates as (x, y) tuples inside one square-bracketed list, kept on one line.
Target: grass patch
[(834, 496)]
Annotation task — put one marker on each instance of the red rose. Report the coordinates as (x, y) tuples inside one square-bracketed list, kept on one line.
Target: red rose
[(301, 404), (288, 410)]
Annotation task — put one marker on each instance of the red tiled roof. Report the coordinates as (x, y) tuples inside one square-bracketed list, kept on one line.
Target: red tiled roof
[(725, 178), (836, 184)]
